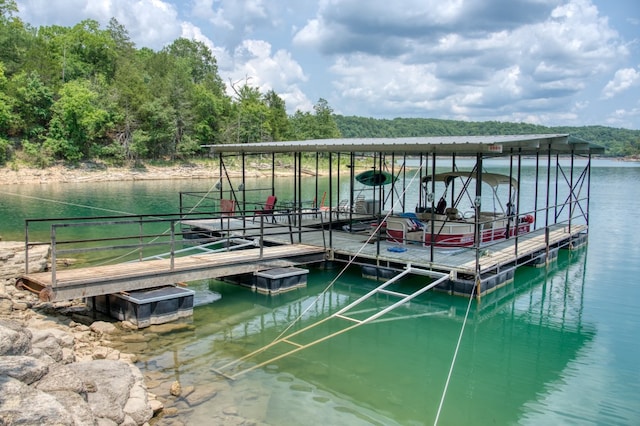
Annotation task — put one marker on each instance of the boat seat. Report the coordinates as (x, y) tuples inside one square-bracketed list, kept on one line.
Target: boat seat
[(452, 213), (404, 230)]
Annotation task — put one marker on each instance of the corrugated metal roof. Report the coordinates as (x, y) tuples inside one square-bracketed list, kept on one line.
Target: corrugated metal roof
[(443, 145)]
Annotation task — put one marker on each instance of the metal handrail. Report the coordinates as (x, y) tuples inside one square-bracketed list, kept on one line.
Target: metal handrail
[(56, 225)]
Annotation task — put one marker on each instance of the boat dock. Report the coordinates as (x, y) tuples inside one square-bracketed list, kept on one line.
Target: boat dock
[(495, 264), (485, 241)]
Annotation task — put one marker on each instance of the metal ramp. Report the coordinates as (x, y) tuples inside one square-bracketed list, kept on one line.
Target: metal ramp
[(345, 314)]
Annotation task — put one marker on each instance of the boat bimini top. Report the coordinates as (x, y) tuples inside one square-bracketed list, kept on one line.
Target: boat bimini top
[(492, 179)]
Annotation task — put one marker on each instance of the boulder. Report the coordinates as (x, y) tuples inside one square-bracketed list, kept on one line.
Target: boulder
[(76, 406), (44, 341), (62, 378), (15, 339), (12, 258), (24, 368), (113, 381), (21, 404), (103, 327)]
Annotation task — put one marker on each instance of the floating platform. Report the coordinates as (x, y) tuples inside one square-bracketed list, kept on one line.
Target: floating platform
[(147, 307), (278, 280)]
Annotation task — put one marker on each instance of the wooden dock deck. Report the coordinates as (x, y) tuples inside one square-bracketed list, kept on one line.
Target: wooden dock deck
[(107, 279), (306, 242), (366, 250)]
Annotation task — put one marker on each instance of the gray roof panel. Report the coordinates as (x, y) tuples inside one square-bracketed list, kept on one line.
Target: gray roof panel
[(442, 145)]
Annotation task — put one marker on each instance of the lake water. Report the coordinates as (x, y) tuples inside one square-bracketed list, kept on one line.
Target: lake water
[(560, 346)]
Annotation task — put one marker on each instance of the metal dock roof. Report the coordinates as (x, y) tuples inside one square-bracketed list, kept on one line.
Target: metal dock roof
[(440, 145)]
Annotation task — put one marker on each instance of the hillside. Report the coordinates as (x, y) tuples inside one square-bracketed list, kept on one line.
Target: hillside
[(618, 142)]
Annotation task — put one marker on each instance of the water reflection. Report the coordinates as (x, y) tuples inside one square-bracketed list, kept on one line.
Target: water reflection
[(517, 344)]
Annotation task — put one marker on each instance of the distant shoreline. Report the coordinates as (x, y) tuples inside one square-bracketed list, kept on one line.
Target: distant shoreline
[(92, 172), (97, 172)]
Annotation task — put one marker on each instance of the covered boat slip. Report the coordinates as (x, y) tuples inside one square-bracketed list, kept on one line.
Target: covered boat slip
[(369, 247), (400, 179)]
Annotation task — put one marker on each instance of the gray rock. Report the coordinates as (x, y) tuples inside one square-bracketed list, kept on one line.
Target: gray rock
[(102, 327), (62, 378), (46, 342), (76, 405), (101, 421), (21, 404), (6, 306), (24, 368), (15, 339), (138, 407), (113, 381)]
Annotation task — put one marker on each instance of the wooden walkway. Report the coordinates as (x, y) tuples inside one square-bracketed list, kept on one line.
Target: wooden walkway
[(364, 249), (107, 279)]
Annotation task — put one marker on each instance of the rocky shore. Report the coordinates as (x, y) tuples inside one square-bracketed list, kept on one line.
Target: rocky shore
[(55, 368), (61, 366)]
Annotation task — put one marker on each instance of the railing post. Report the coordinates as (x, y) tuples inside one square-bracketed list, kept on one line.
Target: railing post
[(290, 226), (324, 238), (26, 246), (261, 234), (53, 255), (173, 243), (140, 233)]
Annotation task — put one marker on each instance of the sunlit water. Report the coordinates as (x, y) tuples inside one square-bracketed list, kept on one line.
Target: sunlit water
[(560, 346)]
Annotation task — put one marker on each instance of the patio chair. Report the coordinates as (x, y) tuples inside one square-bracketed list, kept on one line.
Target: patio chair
[(267, 209), (227, 207)]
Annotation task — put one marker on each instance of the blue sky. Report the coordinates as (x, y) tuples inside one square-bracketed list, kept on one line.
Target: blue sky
[(550, 62)]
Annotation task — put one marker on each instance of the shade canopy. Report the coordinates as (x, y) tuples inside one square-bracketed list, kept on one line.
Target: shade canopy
[(492, 179)]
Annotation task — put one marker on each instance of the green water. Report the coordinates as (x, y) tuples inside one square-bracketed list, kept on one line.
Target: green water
[(560, 346)]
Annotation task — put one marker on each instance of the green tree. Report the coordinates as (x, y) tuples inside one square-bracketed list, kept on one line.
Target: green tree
[(320, 125), (33, 104), (78, 122), (6, 106), (13, 37), (199, 60), (88, 52), (326, 127), (249, 116), (277, 116)]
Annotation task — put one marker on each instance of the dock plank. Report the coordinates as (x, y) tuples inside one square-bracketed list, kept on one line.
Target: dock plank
[(107, 279)]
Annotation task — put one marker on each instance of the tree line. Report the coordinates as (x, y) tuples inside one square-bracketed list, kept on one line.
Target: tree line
[(73, 93), (86, 92), (618, 142)]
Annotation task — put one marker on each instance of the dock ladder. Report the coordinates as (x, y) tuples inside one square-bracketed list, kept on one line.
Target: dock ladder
[(343, 314)]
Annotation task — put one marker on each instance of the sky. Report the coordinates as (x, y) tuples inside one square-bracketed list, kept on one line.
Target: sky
[(549, 62)]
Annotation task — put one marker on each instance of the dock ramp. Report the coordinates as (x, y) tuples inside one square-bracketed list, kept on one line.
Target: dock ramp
[(347, 314)]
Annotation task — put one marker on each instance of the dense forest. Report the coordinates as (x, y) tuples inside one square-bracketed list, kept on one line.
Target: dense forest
[(618, 142), (86, 92)]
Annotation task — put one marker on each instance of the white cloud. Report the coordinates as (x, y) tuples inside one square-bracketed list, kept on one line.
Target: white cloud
[(465, 59), (623, 80), (234, 20), (266, 70), (624, 117), (151, 23), (535, 60)]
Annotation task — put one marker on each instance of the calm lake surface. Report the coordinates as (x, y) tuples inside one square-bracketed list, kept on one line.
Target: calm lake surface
[(560, 346)]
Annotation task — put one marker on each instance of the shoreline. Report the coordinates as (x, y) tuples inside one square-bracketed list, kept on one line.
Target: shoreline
[(61, 358), (91, 171), (97, 172)]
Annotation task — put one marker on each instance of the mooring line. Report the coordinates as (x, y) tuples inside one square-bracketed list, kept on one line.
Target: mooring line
[(107, 210), (455, 355), (66, 203)]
